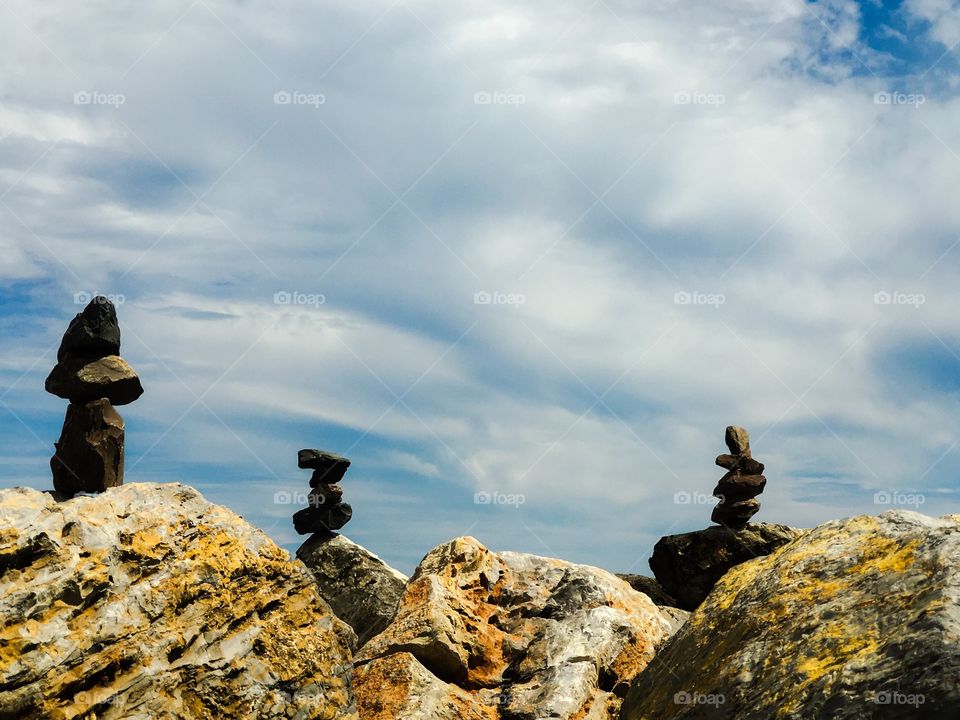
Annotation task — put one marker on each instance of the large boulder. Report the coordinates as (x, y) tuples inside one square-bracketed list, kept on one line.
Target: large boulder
[(81, 380), (688, 565), (89, 456), (508, 635), (149, 602), (361, 588), (859, 618)]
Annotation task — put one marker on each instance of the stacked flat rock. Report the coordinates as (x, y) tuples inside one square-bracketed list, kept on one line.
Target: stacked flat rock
[(739, 488), (327, 512), (91, 374)]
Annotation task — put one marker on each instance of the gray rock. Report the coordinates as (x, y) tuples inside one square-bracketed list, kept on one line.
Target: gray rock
[(89, 454), (688, 565), (859, 618), (328, 467), (81, 380), (362, 590), (324, 519), (733, 486), (93, 333), (735, 514)]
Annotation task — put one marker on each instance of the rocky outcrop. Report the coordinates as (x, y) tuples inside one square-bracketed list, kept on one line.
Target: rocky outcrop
[(149, 602), (93, 377), (361, 588), (859, 618), (508, 635), (687, 566)]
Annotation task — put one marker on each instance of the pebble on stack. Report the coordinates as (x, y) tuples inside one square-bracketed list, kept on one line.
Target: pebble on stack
[(326, 512), (739, 488), (91, 374)]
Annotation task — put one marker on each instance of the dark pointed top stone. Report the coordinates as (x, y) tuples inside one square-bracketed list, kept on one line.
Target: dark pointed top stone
[(93, 333)]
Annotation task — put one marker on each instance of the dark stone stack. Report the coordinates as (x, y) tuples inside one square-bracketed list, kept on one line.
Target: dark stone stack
[(327, 512), (739, 488), (91, 374)]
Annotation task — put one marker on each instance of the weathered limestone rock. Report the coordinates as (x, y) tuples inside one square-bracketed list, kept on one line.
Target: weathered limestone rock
[(398, 686), (81, 380), (688, 565), (149, 602), (509, 635), (361, 588), (859, 618), (89, 456)]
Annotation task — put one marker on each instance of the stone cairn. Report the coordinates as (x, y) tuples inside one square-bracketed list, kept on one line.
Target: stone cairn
[(327, 512), (91, 374), (739, 488)]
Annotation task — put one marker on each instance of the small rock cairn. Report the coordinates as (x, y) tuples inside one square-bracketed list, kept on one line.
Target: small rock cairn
[(739, 488), (91, 374), (327, 512)]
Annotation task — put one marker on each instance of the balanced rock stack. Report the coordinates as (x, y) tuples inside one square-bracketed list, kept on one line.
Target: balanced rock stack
[(91, 374), (327, 512), (739, 488)]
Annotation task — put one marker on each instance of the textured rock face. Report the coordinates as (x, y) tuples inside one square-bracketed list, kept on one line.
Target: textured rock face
[(89, 455), (93, 333), (649, 587), (860, 618), (363, 590), (149, 602), (82, 380), (688, 565), (508, 635)]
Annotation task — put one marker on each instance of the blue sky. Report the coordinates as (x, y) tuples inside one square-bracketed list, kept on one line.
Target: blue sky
[(686, 217)]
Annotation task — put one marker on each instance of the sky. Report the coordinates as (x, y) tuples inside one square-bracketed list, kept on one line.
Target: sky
[(521, 262)]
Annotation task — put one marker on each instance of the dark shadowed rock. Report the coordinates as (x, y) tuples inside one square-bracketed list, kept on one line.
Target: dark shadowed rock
[(735, 514), (649, 587), (362, 590), (858, 618), (688, 565), (322, 519), (89, 455), (325, 495), (735, 487), (93, 333), (328, 467), (745, 465), (82, 380)]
